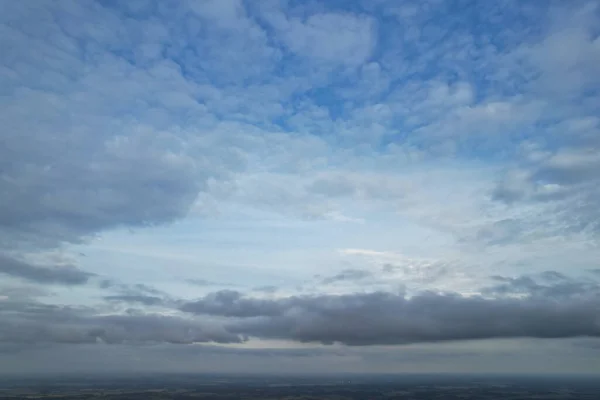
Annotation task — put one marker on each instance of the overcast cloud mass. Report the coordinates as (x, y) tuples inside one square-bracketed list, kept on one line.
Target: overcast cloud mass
[(364, 186)]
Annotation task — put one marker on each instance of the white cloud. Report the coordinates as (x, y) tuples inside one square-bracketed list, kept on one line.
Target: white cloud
[(344, 39), (567, 57)]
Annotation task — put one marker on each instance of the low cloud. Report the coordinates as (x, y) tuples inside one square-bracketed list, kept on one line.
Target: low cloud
[(43, 274), (32, 323), (546, 305), (134, 294), (519, 307), (230, 303)]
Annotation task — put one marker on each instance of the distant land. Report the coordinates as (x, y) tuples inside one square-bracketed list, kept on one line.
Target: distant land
[(288, 387)]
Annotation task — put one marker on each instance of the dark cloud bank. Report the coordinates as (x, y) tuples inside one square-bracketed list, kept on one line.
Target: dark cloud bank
[(545, 306), (554, 311)]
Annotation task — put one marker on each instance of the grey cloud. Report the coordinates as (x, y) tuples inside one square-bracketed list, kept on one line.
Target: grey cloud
[(158, 328), (137, 293), (566, 181), (388, 268), (117, 171), (42, 274), (145, 300), (570, 167), (129, 289), (512, 187), (348, 275), (588, 343), (541, 306), (32, 323), (205, 282), (23, 293), (523, 284), (552, 276), (266, 289), (565, 309), (548, 284), (230, 303), (13, 348), (69, 198), (500, 232), (425, 272)]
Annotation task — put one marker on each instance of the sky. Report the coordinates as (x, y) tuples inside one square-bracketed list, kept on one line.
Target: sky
[(299, 186)]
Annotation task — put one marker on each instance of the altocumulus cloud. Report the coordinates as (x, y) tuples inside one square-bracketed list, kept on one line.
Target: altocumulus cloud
[(79, 167)]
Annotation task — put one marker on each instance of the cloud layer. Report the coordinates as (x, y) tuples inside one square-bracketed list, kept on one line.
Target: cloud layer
[(68, 275), (558, 310), (353, 173), (546, 306)]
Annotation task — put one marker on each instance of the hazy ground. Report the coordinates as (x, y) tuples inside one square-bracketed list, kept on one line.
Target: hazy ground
[(297, 387)]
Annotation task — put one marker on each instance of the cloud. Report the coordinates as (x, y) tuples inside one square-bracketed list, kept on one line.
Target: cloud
[(205, 283), (127, 181), (344, 39), (548, 284), (555, 168), (129, 289), (145, 300), (43, 274), (547, 305), (560, 310), (266, 289), (437, 146), (23, 293), (213, 23), (348, 275), (195, 126), (365, 186), (32, 322), (390, 269), (129, 166), (138, 293), (565, 58), (230, 303), (564, 181)]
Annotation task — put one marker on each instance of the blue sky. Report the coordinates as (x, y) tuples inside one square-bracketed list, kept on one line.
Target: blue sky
[(236, 179)]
